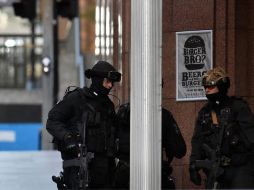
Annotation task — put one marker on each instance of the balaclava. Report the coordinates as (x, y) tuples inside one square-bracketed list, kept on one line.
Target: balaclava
[(97, 77)]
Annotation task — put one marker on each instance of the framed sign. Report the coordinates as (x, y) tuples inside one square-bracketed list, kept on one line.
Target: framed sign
[(193, 59)]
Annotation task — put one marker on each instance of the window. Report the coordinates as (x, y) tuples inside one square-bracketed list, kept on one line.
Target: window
[(20, 51), (19, 65)]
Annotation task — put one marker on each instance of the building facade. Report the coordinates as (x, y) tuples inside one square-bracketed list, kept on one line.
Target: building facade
[(231, 23), (105, 33)]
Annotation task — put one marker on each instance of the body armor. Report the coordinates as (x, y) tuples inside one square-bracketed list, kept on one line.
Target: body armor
[(234, 143)]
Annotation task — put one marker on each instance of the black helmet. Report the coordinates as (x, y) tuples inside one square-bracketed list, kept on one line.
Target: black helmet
[(217, 77), (103, 69)]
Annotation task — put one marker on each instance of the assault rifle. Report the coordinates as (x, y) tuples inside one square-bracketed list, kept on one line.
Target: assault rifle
[(212, 165), (59, 181), (83, 159), (81, 162)]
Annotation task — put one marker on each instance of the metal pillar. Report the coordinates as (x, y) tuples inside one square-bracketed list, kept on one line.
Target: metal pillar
[(32, 78), (78, 57), (48, 79), (145, 154)]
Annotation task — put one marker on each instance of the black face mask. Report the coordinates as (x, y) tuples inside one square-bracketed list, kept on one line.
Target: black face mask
[(216, 97), (213, 97), (97, 86)]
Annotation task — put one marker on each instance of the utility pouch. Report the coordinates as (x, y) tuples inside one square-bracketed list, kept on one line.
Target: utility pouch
[(96, 134), (94, 119), (96, 140)]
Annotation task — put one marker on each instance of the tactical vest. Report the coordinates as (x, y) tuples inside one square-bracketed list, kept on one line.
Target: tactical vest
[(97, 119), (100, 130), (233, 143)]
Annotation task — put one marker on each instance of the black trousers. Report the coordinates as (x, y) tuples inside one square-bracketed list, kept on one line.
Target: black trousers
[(100, 174), (167, 182), (238, 177), (122, 175)]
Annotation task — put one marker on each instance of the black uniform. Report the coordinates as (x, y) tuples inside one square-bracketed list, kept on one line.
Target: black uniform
[(82, 125), (172, 141), (174, 145), (231, 140), (66, 118)]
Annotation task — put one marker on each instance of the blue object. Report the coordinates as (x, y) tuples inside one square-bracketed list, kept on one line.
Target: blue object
[(20, 136)]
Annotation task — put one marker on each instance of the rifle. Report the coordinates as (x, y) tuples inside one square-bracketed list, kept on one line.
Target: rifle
[(212, 165), (83, 159), (59, 181), (81, 162)]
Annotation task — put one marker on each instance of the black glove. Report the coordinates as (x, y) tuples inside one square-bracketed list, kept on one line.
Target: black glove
[(194, 175), (71, 143)]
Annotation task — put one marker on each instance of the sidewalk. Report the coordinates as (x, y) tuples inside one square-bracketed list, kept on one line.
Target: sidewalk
[(29, 170)]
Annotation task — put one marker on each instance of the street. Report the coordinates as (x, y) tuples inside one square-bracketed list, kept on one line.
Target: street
[(29, 170)]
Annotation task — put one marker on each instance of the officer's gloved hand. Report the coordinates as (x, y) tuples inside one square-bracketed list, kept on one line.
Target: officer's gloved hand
[(194, 174), (70, 142)]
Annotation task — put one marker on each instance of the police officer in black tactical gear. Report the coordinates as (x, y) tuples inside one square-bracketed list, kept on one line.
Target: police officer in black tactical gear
[(85, 118), (174, 146), (222, 143), (172, 143)]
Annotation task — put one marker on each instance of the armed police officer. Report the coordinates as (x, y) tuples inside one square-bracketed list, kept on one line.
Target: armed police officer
[(222, 143), (82, 125), (173, 145)]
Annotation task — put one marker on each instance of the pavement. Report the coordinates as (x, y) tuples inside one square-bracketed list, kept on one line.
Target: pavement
[(29, 170)]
